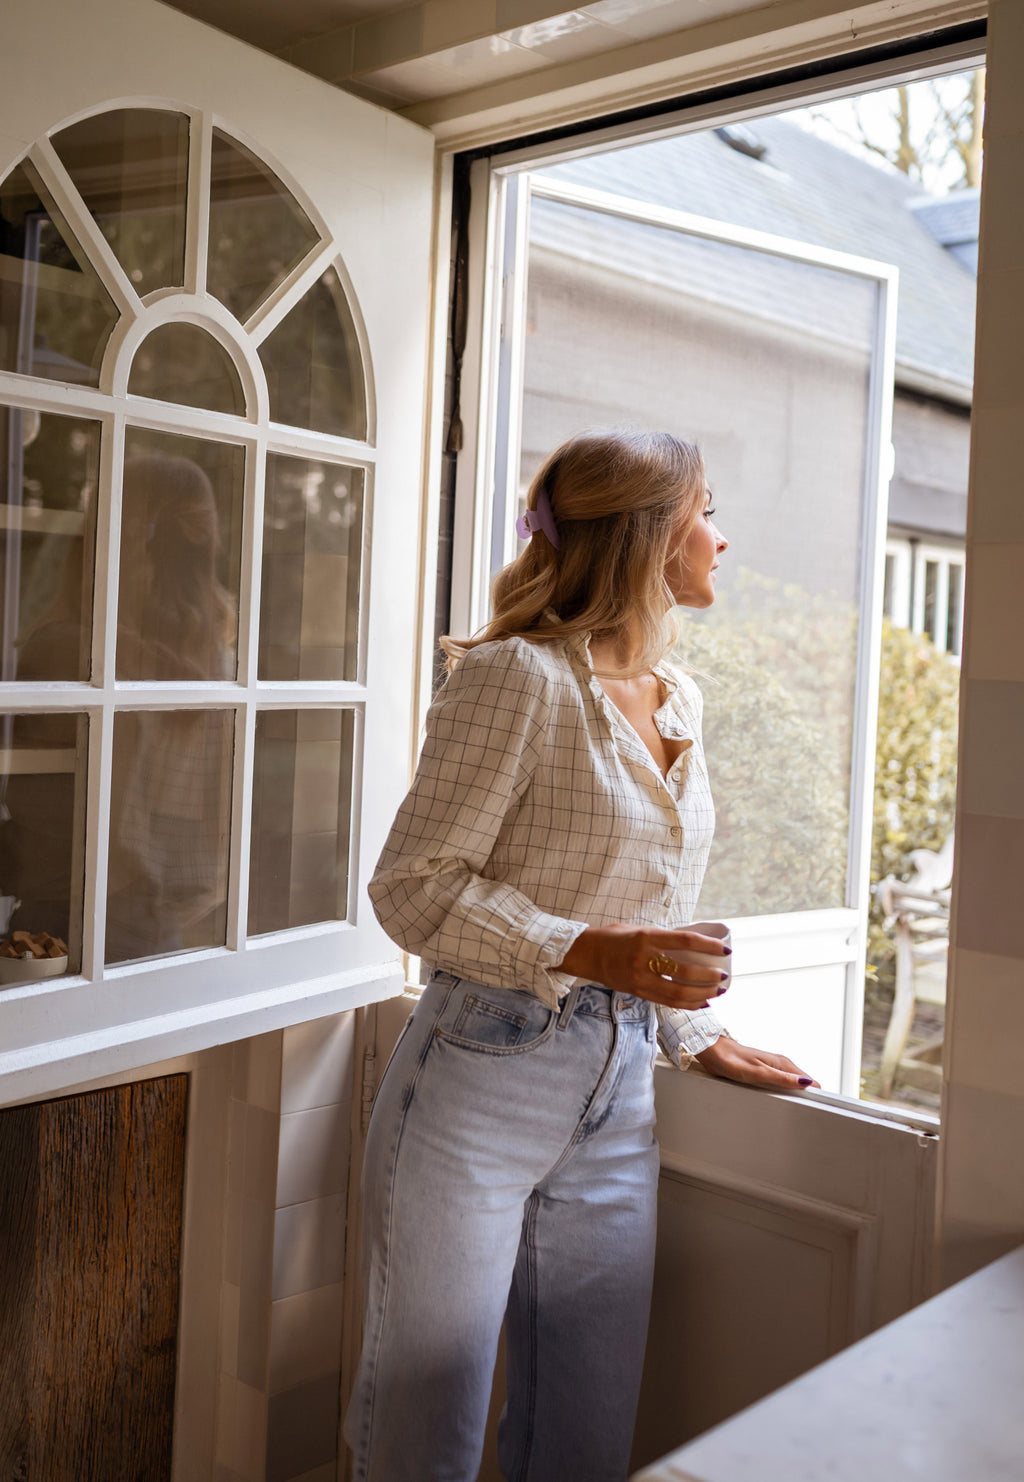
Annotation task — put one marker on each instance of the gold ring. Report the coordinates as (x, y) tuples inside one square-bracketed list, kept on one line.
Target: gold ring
[(661, 966)]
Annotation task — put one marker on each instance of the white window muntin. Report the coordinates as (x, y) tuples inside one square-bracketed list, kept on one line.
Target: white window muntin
[(941, 559), (284, 959)]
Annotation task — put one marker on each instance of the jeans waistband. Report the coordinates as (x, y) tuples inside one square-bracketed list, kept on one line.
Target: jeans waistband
[(584, 998), (604, 1003)]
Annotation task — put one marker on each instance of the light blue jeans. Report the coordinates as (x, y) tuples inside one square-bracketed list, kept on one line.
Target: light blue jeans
[(511, 1172)]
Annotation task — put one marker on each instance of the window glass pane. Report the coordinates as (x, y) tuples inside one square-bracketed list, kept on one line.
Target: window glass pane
[(55, 314), (890, 569), (931, 587), (49, 467), (181, 540), (131, 168), (170, 814), (312, 548), (954, 611), (182, 363), (258, 231), (313, 364), (301, 818), (42, 832), (765, 363)]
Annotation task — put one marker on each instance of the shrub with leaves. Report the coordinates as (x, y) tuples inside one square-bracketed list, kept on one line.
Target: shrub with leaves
[(776, 668)]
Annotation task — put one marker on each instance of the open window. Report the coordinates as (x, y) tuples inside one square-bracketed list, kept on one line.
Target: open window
[(694, 279)]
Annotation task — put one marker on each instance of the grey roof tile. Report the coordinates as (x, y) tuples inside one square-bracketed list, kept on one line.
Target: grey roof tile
[(803, 188)]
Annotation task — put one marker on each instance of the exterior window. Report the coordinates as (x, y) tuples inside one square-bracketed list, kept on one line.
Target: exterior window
[(896, 594), (938, 602), (182, 552)]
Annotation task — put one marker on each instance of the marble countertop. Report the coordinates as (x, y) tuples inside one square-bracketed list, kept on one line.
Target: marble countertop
[(937, 1395)]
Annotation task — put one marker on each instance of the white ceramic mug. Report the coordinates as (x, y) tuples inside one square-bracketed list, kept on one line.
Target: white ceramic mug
[(707, 959)]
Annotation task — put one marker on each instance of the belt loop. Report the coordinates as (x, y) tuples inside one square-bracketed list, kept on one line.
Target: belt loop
[(568, 1006)]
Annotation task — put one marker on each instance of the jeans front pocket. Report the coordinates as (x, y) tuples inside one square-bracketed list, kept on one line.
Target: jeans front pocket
[(497, 1021)]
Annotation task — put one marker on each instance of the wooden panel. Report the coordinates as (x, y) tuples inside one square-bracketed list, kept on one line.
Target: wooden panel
[(90, 1237), (789, 1227), (750, 1293)]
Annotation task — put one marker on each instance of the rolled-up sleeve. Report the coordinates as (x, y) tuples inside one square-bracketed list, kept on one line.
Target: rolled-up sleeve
[(485, 733), (684, 1033)]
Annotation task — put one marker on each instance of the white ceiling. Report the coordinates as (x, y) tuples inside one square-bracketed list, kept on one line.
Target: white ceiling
[(409, 53)]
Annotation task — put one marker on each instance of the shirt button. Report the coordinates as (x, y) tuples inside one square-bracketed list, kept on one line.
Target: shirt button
[(676, 831)]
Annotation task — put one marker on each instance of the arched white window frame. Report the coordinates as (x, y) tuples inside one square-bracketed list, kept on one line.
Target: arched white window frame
[(249, 984)]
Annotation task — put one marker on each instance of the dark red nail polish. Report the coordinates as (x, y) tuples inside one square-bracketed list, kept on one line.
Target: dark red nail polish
[(727, 951), (805, 1080)]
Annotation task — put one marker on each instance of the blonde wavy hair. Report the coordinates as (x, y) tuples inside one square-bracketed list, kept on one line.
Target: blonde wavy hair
[(620, 500)]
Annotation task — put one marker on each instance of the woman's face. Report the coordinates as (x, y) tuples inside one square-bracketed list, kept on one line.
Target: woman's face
[(693, 560)]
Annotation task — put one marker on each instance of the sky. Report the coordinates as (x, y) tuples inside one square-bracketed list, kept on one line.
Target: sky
[(843, 121)]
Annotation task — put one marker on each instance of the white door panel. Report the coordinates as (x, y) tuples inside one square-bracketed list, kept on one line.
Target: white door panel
[(787, 1230), (365, 180)]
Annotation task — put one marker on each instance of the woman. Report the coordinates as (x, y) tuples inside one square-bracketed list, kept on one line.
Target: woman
[(545, 864)]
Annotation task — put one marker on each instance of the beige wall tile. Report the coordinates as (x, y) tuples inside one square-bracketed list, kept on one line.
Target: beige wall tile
[(982, 1191), (302, 1428), (317, 1063), (447, 22), (992, 748), (985, 991), (990, 868), (1004, 107), (234, 1215), (314, 1154), (388, 38), (1002, 225), (327, 56), (229, 1309), (264, 1078), (328, 1473), (309, 1246), (563, 38), (509, 13), (261, 1142), (305, 1336), (241, 1429), (997, 457), (999, 368), (994, 611)]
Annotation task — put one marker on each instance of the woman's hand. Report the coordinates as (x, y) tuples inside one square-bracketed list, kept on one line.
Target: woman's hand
[(736, 1062), (620, 957)]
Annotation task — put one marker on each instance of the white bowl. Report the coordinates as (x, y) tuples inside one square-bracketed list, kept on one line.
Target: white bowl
[(18, 970)]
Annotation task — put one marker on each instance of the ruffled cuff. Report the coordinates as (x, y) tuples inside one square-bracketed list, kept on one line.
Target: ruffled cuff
[(684, 1033)]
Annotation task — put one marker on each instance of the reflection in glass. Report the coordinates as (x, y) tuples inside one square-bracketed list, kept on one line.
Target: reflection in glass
[(170, 813), (49, 467), (130, 166), (314, 366), (312, 549), (765, 362), (258, 231), (42, 834), (301, 818), (181, 538), (55, 314), (180, 362)]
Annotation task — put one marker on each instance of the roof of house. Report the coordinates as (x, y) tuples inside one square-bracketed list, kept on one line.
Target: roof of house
[(803, 188)]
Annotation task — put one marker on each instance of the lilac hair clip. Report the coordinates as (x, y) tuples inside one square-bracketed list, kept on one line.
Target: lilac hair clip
[(540, 518)]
